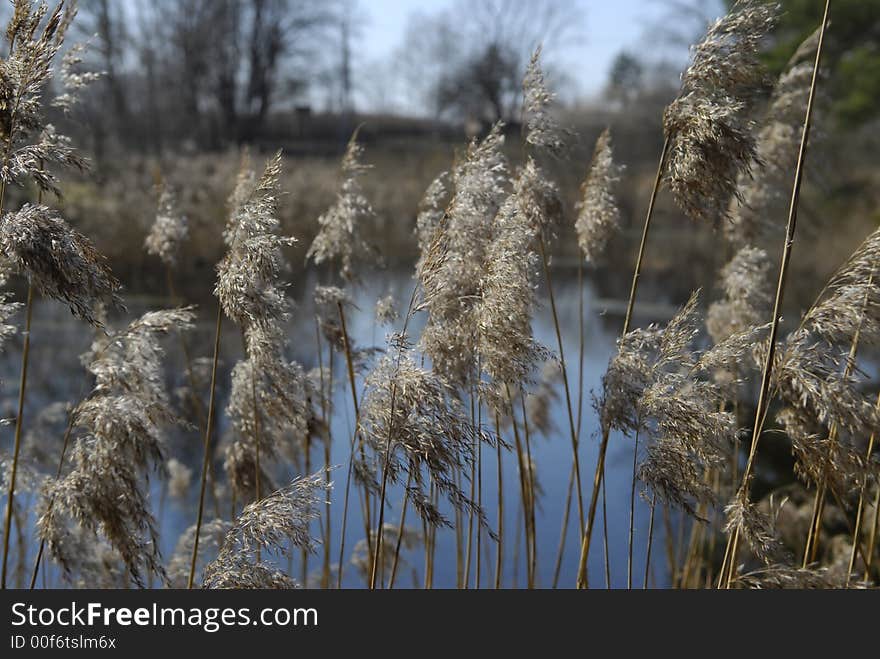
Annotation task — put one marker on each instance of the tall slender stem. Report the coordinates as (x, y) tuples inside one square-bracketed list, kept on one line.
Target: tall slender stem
[(196, 399), (325, 569), (583, 577), (533, 489), (467, 559), (566, 509), (606, 552), (857, 531), (478, 573), (349, 361), (650, 542), (763, 402), (632, 515), (869, 555), (18, 425), (524, 489), (573, 431), (386, 467), (401, 529), (206, 458), (499, 548), (65, 444)]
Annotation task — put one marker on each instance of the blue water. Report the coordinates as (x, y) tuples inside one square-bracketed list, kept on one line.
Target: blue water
[(58, 340)]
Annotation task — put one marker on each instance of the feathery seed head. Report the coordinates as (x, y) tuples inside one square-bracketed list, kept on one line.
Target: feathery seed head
[(248, 278), (271, 525), (339, 234), (432, 208), (709, 126), (543, 131), (762, 197), (412, 413), (169, 230), (746, 283), (179, 479), (61, 263), (386, 310), (451, 271), (120, 429), (598, 214)]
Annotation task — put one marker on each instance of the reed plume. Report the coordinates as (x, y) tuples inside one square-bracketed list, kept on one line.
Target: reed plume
[(432, 209), (542, 130), (274, 524), (339, 235), (61, 263), (761, 194), (826, 414), (543, 210), (745, 281), (598, 213), (269, 407), (169, 230), (729, 567), (35, 36), (212, 535), (248, 285), (709, 125), (405, 538), (424, 434), (794, 578), (508, 353), (656, 386), (540, 401), (386, 310), (121, 435), (450, 281), (179, 479)]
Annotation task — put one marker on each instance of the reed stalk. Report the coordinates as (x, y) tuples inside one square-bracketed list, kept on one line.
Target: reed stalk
[(349, 361), (872, 539), (533, 488), (605, 537), (389, 441), (325, 419), (650, 542), (763, 397), (18, 425), (583, 577), (499, 547), (197, 401), (525, 489), (562, 535), (206, 458), (24, 371), (632, 514), (66, 442), (473, 493), (857, 530), (400, 531), (561, 348)]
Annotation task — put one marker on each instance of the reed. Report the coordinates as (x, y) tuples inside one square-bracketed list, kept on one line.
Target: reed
[(428, 412), (764, 391)]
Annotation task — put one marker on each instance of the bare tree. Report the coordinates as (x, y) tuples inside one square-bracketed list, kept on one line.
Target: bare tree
[(468, 61), (625, 79)]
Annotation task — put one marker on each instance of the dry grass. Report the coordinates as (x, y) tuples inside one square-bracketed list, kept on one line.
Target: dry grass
[(461, 385)]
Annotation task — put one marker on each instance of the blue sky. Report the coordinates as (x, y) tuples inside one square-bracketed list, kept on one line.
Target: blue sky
[(609, 26)]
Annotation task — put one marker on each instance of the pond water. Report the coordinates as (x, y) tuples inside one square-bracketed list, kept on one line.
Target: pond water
[(57, 375)]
